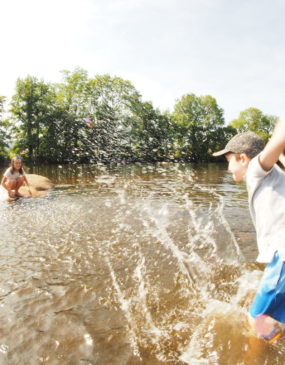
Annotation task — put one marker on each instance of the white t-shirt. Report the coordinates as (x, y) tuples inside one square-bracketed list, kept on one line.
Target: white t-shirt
[(8, 174), (266, 193)]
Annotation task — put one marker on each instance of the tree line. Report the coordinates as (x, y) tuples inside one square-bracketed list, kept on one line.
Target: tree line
[(104, 119)]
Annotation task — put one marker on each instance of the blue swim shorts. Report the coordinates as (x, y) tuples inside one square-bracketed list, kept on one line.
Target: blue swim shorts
[(270, 298)]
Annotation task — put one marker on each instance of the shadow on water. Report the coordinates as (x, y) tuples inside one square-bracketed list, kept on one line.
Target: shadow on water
[(132, 265)]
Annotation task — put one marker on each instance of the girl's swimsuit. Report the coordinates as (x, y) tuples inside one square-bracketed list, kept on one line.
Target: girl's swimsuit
[(8, 174)]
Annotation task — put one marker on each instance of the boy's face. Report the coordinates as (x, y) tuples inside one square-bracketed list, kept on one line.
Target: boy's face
[(237, 165)]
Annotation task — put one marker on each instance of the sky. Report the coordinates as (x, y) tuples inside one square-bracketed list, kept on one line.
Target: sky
[(233, 50)]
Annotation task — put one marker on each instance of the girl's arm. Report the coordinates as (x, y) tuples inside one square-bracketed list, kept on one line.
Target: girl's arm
[(27, 183), (275, 146), (4, 179)]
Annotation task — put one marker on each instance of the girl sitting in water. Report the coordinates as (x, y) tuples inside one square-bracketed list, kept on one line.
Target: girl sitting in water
[(14, 177)]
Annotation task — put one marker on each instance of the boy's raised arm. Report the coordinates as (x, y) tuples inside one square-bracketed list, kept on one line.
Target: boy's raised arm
[(282, 159), (275, 146)]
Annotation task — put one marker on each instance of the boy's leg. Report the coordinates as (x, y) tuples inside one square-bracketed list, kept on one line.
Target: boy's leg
[(265, 327), (269, 302)]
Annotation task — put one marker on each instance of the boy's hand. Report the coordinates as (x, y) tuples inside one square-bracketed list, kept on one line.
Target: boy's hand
[(275, 146)]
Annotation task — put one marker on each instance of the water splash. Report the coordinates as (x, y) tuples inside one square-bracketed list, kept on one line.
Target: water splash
[(125, 305), (151, 256)]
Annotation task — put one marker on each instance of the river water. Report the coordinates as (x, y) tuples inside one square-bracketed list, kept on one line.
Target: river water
[(141, 264)]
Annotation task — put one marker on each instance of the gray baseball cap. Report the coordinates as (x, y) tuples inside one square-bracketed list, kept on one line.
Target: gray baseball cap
[(248, 142)]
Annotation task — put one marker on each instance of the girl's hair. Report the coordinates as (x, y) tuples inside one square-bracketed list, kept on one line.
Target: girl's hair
[(12, 165)]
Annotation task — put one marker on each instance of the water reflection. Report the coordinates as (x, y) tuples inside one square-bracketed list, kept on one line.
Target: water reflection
[(130, 265)]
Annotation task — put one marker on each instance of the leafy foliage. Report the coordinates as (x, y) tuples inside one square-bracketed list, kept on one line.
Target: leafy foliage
[(103, 119), (4, 131), (151, 134), (197, 120), (253, 119), (32, 111)]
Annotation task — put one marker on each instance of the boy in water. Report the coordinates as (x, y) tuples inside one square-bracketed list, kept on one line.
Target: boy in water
[(248, 158)]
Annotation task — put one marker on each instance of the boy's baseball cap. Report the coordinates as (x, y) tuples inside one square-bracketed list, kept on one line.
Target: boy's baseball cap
[(247, 142)]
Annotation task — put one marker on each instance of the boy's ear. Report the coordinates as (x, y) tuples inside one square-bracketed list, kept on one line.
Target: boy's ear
[(244, 159)]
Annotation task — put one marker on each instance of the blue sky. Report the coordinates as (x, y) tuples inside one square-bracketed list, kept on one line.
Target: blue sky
[(233, 50)]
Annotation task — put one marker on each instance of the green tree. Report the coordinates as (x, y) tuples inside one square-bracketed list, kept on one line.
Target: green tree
[(151, 133), (71, 109), (5, 131), (101, 108), (104, 119), (253, 119), (32, 107), (111, 103), (197, 119)]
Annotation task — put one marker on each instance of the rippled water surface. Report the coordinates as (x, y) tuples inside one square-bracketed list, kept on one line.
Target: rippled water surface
[(142, 264)]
